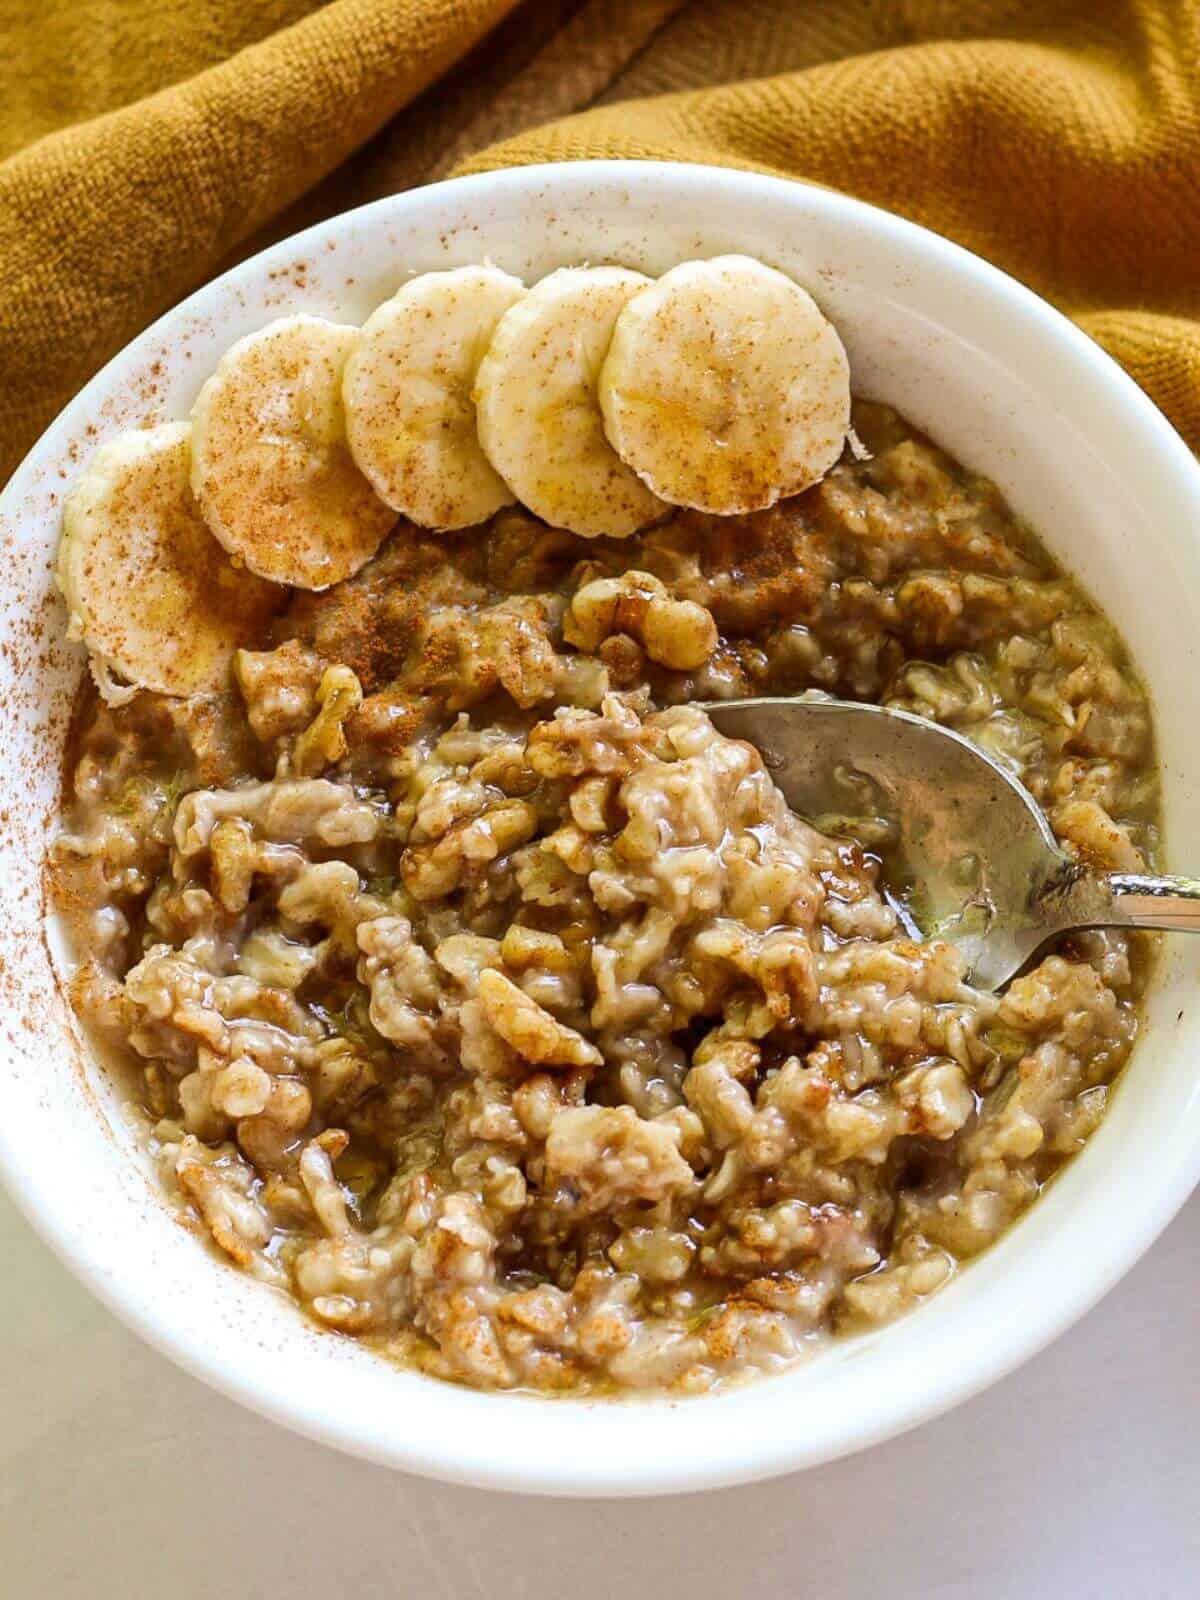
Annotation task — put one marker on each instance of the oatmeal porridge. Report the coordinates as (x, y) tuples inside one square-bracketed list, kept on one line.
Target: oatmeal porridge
[(478, 994), (521, 1028)]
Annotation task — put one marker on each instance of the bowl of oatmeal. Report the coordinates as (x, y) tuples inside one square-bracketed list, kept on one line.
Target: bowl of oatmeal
[(421, 1019)]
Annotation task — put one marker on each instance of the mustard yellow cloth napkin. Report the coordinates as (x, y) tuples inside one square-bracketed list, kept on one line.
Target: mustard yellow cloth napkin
[(144, 143)]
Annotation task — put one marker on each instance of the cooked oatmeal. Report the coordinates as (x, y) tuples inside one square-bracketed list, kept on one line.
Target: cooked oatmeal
[(480, 995)]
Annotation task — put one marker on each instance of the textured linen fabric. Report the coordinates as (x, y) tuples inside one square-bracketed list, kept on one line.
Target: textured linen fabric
[(144, 144)]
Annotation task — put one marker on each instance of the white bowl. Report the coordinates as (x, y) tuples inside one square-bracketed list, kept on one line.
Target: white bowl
[(1001, 381)]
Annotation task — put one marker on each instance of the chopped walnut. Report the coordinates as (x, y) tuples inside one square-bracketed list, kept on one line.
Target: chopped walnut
[(529, 1028), (679, 634)]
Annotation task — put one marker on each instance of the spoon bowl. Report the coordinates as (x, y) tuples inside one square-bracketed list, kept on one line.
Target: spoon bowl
[(970, 856)]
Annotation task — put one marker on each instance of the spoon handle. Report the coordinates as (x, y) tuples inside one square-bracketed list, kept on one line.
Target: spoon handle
[(1128, 900)]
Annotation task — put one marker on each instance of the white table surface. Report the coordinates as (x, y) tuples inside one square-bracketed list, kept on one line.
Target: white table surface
[(122, 1477)]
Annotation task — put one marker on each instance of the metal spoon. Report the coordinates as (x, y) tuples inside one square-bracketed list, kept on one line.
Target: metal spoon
[(982, 867)]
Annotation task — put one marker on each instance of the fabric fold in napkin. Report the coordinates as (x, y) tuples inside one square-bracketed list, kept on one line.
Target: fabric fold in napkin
[(144, 144)]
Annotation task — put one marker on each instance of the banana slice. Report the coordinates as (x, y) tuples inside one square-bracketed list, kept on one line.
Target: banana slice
[(539, 419), (410, 418), (725, 388), (150, 591), (270, 464)]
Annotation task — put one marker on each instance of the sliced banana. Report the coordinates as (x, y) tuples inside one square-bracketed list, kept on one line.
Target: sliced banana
[(725, 388), (270, 464), (150, 591), (539, 419), (410, 418)]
